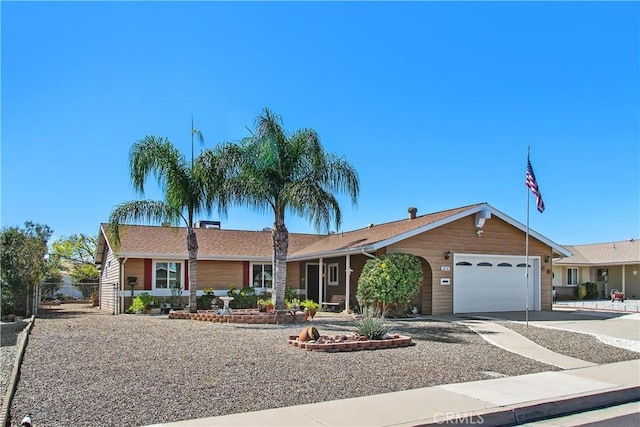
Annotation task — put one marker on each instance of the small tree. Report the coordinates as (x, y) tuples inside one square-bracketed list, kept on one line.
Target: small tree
[(23, 265), (75, 254), (392, 279), (276, 171)]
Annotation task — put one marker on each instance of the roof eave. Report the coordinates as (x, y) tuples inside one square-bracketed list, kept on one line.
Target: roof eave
[(559, 249), (331, 254), (181, 256)]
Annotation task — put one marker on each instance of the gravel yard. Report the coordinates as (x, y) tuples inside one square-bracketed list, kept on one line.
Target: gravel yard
[(86, 368), (581, 346)]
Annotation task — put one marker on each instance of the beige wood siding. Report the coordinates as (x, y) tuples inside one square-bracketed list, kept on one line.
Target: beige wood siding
[(135, 268), (109, 278), (220, 275), (357, 264), (293, 275), (498, 238)]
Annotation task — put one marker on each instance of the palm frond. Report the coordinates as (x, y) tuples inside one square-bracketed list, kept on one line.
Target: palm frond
[(155, 156), (149, 211), (309, 200)]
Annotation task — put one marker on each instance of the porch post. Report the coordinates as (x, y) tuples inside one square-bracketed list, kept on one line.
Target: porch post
[(348, 283), (320, 284), (623, 281)]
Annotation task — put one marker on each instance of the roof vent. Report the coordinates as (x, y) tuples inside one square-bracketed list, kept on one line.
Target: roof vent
[(412, 212), (213, 225)]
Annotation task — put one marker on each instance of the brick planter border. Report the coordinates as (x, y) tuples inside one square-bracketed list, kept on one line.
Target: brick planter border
[(400, 341), (253, 317)]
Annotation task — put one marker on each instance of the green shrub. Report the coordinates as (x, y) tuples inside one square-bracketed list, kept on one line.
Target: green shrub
[(203, 302), (372, 326), (310, 305), (592, 290), (582, 291), (293, 303), (390, 279), (141, 303), (246, 297), (290, 294)]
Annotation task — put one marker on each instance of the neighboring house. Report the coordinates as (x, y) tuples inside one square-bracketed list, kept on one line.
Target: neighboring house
[(473, 259), (612, 265)]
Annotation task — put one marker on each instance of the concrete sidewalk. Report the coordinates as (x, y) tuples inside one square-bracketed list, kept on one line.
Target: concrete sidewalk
[(621, 329), (501, 401), (511, 341)]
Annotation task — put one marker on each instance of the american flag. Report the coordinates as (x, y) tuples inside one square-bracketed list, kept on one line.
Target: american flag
[(533, 185)]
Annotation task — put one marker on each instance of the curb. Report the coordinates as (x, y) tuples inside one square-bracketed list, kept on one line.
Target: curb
[(542, 410), (23, 337)]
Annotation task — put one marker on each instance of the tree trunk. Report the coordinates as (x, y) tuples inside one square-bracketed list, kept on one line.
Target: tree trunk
[(192, 247), (280, 237)]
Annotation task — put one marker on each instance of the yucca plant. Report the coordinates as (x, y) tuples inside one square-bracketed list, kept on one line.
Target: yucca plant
[(371, 325)]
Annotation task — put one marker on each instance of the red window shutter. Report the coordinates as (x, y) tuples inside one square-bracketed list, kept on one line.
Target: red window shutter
[(186, 276), (148, 272), (245, 274)]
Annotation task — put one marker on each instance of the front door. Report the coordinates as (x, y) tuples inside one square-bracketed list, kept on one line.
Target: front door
[(312, 282)]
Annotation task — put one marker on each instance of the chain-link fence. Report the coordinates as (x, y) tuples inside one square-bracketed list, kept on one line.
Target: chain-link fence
[(68, 291)]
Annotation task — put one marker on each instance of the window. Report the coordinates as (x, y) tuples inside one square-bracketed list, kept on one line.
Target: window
[(602, 274), (463, 263), (485, 264), (262, 275), (505, 264), (572, 276), (168, 275), (333, 275)]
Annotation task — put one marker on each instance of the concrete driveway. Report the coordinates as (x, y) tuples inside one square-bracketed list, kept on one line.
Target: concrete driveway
[(621, 325)]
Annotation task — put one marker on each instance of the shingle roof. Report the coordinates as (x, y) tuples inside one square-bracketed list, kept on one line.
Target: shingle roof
[(143, 240), (154, 241), (623, 252), (369, 236)]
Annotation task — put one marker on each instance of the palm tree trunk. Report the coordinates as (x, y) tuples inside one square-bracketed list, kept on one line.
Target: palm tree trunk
[(280, 236), (192, 247)]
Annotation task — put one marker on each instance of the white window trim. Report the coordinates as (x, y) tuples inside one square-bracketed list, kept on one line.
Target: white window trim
[(273, 279), (166, 291), (329, 268)]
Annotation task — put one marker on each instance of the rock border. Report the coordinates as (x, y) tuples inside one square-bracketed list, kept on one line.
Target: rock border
[(250, 317), (333, 347), (23, 338)]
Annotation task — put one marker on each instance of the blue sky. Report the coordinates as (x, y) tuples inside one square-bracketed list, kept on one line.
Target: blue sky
[(433, 103)]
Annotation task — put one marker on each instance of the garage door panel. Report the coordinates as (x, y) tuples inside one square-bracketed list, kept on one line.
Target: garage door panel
[(490, 288)]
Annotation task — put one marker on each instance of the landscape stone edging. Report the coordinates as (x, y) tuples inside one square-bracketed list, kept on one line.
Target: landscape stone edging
[(22, 338), (251, 318), (400, 341)]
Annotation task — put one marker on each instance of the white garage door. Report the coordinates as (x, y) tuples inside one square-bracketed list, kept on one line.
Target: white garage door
[(494, 283)]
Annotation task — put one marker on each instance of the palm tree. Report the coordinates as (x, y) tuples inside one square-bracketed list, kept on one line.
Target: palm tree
[(188, 191), (272, 170)]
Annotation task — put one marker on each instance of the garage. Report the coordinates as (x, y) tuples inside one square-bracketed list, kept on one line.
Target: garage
[(484, 283)]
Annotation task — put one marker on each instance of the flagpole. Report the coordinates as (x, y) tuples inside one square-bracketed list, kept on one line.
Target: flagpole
[(526, 275)]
